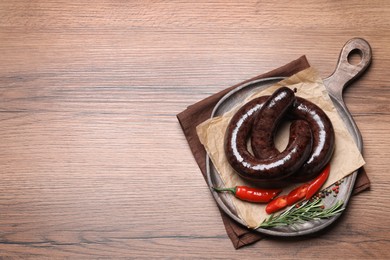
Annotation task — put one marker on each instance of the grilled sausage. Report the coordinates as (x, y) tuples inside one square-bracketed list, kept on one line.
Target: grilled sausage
[(261, 125), (267, 170), (323, 138)]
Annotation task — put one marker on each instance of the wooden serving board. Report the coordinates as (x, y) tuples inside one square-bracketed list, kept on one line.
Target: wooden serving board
[(344, 74)]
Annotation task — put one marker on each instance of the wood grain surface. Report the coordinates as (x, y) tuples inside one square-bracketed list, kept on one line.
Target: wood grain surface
[(93, 160)]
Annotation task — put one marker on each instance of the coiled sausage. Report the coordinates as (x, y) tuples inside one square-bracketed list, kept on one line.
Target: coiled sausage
[(259, 119), (267, 170)]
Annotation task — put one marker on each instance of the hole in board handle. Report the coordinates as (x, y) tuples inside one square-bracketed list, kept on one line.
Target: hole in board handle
[(355, 57)]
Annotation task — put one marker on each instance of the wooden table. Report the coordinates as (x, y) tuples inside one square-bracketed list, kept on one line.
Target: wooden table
[(93, 160)]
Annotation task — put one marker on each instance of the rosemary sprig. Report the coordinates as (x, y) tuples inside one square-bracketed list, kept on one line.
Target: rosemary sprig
[(309, 210)]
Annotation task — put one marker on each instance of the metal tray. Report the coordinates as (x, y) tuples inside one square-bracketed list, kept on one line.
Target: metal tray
[(341, 77)]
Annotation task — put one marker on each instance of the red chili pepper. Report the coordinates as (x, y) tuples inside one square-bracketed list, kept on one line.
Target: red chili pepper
[(317, 183), (251, 194), (297, 194), (276, 204)]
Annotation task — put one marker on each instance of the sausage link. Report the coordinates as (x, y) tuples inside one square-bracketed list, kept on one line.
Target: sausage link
[(323, 138), (280, 166), (265, 124), (249, 122)]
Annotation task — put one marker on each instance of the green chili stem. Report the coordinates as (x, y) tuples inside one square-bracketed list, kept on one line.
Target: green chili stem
[(232, 190)]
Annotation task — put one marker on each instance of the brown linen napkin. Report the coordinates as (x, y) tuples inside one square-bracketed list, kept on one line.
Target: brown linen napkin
[(201, 111)]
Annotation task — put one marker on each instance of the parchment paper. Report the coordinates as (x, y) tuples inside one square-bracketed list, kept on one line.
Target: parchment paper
[(346, 157)]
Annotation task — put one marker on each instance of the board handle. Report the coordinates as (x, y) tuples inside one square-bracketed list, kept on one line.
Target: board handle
[(345, 71)]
